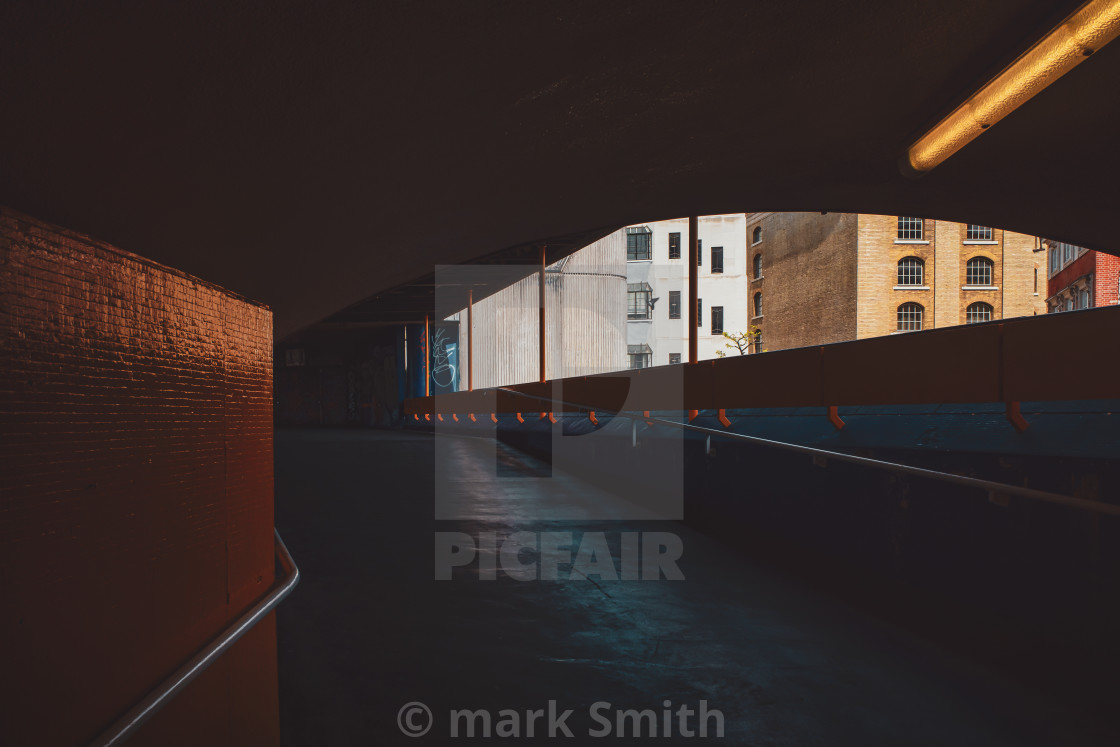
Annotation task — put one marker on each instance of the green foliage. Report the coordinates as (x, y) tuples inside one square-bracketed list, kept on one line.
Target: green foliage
[(741, 341)]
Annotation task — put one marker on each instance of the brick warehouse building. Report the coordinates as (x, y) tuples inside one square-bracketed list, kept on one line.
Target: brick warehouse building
[(1079, 278), (817, 278)]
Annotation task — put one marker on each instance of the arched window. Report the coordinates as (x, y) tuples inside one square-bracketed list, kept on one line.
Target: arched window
[(756, 235), (758, 304), (910, 317), (978, 271), (911, 271), (757, 266), (978, 312)]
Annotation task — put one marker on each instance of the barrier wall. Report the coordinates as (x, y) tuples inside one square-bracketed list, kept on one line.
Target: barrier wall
[(136, 509)]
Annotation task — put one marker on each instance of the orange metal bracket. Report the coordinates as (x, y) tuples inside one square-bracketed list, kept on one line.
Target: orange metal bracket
[(551, 417), (645, 414), (455, 417), (520, 419), (473, 419), (1015, 417), (543, 415), (440, 416), (692, 415), (834, 418), (723, 419), (428, 416), (415, 416), (493, 417), (591, 416)]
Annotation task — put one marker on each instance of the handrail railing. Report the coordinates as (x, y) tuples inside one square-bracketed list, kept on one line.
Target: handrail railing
[(975, 482), (127, 724)]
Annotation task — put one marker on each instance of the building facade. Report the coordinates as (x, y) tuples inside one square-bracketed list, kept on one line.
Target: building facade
[(1079, 278), (585, 321), (825, 277), (657, 288)]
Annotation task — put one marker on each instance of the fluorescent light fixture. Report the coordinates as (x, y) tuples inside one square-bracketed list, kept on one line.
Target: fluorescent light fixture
[(1089, 28)]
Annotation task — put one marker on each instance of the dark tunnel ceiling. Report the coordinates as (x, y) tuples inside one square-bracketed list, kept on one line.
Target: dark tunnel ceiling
[(310, 155)]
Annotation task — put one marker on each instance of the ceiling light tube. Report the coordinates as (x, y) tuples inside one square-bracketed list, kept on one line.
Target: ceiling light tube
[(1089, 28)]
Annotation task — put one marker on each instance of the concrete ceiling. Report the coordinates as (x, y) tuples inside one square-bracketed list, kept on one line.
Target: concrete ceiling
[(310, 154)]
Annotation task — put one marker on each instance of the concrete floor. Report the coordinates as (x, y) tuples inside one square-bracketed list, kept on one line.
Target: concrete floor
[(369, 630)]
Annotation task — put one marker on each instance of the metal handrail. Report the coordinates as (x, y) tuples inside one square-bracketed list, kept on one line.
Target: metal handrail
[(975, 482), (124, 727)]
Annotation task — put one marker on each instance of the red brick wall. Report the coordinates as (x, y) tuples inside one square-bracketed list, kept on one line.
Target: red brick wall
[(1108, 275), (136, 511)]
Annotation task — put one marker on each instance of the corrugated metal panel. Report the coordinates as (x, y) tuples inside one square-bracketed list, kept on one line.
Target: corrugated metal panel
[(585, 317)]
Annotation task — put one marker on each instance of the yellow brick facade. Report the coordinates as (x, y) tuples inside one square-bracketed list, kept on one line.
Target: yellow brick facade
[(873, 249)]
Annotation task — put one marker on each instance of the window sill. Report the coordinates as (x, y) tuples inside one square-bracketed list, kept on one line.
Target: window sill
[(756, 317), (756, 243), (639, 320), (760, 277), (979, 287), (911, 287), (911, 241), (640, 260), (972, 242)]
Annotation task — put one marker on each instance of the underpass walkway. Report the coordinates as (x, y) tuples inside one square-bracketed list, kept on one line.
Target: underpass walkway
[(369, 630)]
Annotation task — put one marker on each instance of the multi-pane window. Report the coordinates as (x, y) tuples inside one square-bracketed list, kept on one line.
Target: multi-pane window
[(1067, 252), (717, 320), (758, 304), (639, 243), (674, 246), (756, 235), (757, 266), (1085, 298), (978, 312), (641, 356), (910, 317), (699, 312), (699, 252), (1055, 259), (909, 229), (638, 300), (978, 271), (911, 271), (674, 304), (717, 259), (674, 358), (978, 233)]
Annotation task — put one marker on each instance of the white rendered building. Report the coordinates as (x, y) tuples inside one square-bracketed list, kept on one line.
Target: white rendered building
[(657, 288)]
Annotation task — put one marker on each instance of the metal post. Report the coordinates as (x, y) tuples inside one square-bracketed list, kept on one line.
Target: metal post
[(470, 340), (540, 315), (693, 260)]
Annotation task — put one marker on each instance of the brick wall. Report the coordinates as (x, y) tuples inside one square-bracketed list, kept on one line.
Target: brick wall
[(136, 515), (1106, 280), (879, 254), (1023, 288), (808, 278)]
